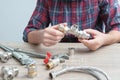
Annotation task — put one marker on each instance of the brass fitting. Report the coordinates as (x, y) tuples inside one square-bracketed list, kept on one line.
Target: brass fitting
[(32, 70), (52, 63)]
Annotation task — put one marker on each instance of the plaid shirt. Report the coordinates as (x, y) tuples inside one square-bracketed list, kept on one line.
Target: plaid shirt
[(102, 15)]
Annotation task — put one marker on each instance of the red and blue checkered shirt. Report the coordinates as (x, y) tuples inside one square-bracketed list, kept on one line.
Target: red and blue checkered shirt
[(102, 15)]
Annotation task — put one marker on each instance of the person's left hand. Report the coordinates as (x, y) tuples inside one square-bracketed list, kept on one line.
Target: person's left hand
[(96, 42)]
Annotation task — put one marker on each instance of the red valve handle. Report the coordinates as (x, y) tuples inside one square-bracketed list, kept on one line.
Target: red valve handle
[(49, 55)]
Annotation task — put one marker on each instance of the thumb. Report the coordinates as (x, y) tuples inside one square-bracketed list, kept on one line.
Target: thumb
[(56, 26), (91, 31)]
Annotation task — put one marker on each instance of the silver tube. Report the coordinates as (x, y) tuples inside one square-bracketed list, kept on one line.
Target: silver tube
[(32, 54), (94, 71), (23, 58)]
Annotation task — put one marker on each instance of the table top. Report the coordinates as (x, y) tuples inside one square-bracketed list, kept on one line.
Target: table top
[(106, 58)]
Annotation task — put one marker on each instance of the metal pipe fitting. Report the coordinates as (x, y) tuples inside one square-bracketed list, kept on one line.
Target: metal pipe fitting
[(9, 72), (53, 60), (71, 51), (32, 70), (74, 31), (5, 56), (62, 28), (52, 63), (95, 72), (23, 58)]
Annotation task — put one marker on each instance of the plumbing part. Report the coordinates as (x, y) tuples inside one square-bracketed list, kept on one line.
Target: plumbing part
[(74, 31), (52, 61), (8, 73), (48, 57), (5, 56), (23, 58), (71, 51), (7, 49), (32, 70), (61, 55), (29, 62), (32, 54), (95, 72)]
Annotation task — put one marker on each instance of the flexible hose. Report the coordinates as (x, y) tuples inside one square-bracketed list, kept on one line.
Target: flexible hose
[(95, 72)]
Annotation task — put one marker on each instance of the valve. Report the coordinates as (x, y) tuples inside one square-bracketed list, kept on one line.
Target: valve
[(52, 61)]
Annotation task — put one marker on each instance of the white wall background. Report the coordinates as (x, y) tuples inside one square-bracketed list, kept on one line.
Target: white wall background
[(14, 16)]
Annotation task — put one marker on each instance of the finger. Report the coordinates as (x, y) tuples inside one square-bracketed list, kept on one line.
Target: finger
[(91, 44), (54, 32), (56, 26), (87, 43), (52, 37), (48, 42), (91, 31), (83, 41)]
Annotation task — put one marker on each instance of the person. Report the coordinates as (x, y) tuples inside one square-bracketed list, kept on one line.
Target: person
[(100, 18)]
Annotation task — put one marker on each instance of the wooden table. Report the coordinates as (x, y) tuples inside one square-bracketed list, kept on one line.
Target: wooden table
[(107, 58)]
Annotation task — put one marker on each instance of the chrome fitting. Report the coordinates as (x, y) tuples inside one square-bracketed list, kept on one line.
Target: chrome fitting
[(62, 28), (5, 56), (32, 70), (9, 72), (52, 63), (54, 74), (74, 30), (71, 51)]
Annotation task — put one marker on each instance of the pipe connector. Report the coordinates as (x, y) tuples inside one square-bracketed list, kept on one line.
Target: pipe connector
[(74, 30), (63, 28), (5, 56), (52, 63), (9, 72), (71, 51), (32, 70)]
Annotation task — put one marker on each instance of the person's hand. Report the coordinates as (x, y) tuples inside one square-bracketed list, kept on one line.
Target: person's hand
[(52, 35), (96, 42)]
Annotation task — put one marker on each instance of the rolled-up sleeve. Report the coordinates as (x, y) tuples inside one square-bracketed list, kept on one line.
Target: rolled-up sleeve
[(39, 19)]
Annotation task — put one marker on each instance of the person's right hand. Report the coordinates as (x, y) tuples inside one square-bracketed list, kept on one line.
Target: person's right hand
[(52, 35)]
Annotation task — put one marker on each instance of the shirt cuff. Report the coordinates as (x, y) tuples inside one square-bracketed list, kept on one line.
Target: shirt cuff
[(25, 34), (116, 27)]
